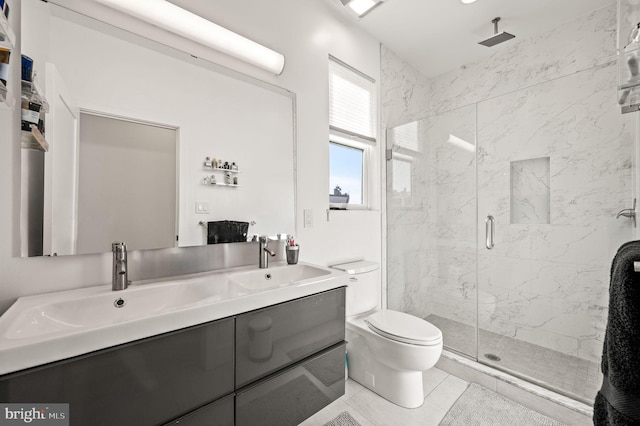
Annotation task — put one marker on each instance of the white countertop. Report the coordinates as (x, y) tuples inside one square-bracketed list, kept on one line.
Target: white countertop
[(44, 328)]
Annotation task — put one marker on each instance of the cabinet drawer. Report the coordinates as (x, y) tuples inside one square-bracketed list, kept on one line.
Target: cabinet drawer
[(219, 413), (272, 338), (300, 391), (141, 383)]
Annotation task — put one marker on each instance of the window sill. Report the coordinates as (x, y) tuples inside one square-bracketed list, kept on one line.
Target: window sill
[(343, 208)]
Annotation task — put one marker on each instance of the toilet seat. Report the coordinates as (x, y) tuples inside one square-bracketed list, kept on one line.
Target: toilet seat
[(404, 328)]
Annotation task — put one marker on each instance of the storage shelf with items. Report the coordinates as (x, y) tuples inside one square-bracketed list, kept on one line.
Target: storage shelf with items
[(7, 41), (34, 139), (34, 108), (228, 173), (213, 181), (220, 165), (629, 55)]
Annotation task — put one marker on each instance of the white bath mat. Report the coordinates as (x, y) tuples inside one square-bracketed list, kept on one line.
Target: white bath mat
[(343, 419), (480, 406)]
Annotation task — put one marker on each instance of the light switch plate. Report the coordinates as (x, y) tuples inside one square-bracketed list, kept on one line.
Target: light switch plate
[(202, 207), (308, 218)]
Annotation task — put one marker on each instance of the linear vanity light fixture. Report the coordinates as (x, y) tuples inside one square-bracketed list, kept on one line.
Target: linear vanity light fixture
[(361, 7), (172, 18)]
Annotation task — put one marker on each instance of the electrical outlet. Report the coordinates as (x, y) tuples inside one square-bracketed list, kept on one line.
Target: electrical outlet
[(308, 218), (202, 207)]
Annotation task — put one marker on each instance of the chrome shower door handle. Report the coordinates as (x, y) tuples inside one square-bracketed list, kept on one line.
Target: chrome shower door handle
[(490, 232)]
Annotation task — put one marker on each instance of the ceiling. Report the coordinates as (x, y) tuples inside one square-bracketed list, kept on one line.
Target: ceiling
[(437, 36)]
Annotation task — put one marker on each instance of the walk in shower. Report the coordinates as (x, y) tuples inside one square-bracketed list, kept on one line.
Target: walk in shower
[(501, 225)]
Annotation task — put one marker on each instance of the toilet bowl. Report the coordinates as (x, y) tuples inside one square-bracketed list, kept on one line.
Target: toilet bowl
[(387, 350)]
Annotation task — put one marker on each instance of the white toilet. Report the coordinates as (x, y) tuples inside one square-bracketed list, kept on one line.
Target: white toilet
[(387, 351)]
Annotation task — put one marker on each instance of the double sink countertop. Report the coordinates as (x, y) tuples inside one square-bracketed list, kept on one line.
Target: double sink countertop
[(49, 327)]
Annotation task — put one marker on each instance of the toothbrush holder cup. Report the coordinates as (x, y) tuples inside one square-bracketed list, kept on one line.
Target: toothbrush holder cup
[(292, 254)]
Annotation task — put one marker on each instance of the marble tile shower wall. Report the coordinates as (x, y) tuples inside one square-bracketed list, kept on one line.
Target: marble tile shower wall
[(550, 96), (551, 280)]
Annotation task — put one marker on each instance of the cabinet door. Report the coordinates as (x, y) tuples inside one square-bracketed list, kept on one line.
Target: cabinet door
[(288, 398), (219, 413), (272, 338), (147, 382)]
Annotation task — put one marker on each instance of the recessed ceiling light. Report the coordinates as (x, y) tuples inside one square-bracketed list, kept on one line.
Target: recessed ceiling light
[(468, 1), (361, 7)]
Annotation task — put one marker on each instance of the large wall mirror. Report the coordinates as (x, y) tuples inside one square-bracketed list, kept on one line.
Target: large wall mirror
[(125, 144)]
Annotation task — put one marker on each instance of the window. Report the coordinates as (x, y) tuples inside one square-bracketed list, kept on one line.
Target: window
[(352, 134), (345, 174)]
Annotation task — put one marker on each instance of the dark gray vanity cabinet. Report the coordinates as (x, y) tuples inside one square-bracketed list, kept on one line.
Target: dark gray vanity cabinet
[(273, 366), (141, 383), (219, 413), (289, 397), (275, 337)]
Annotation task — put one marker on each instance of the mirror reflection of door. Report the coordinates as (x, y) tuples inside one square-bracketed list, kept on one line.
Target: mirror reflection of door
[(61, 168), (127, 184)]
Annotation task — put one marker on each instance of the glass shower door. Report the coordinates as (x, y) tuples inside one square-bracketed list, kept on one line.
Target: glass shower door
[(554, 166), (431, 215)]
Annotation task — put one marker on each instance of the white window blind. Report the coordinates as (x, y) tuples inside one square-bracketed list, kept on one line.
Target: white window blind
[(405, 136), (352, 101)]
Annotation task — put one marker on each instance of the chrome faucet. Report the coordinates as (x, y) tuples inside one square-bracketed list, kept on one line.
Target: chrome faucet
[(263, 261), (119, 279), (630, 213)]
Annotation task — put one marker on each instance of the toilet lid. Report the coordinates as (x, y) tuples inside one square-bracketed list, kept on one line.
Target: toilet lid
[(404, 328)]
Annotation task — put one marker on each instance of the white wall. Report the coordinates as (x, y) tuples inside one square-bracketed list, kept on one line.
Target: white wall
[(306, 32)]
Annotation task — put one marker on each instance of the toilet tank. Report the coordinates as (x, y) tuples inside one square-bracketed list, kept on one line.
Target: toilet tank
[(363, 285)]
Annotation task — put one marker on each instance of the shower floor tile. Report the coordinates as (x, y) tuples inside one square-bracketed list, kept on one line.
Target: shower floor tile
[(576, 377)]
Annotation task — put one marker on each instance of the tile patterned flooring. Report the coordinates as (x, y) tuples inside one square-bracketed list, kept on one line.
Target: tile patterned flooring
[(441, 390), (568, 374)]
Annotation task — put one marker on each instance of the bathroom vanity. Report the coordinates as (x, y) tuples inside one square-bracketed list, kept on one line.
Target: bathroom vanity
[(274, 365)]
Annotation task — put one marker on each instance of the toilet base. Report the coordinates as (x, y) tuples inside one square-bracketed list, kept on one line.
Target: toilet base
[(403, 388)]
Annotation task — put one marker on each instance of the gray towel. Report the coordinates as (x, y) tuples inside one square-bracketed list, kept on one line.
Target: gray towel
[(618, 401)]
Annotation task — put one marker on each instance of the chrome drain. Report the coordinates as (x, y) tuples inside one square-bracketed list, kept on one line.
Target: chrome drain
[(492, 357), (119, 302)]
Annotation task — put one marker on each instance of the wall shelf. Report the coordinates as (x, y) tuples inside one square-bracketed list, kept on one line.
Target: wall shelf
[(34, 140), (208, 165), (7, 41), (218, 169), (7, 36), (6, 100), (31, 90), (206, 181)]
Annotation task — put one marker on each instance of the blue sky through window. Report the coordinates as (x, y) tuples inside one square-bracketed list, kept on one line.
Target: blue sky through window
[(345, 171)]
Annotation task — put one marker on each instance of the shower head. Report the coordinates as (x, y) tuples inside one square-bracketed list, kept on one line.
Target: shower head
[(497, 38)]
